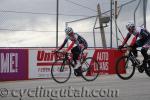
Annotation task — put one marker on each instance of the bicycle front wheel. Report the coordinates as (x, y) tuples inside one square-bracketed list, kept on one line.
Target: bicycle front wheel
[(60, 71), (147, 68), (90, 69), (125, 68)]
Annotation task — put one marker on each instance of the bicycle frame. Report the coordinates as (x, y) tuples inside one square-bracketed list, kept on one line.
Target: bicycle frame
[(133, 58)]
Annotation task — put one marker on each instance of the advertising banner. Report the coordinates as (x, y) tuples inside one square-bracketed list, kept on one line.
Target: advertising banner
[(33, 63), (107, 59), (13, 64), (40, 62)]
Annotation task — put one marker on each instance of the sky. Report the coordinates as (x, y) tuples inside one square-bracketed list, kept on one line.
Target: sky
[(32, 23)]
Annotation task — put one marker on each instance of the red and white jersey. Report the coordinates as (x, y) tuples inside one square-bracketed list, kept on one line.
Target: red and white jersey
[(76, 39), (139, 32)]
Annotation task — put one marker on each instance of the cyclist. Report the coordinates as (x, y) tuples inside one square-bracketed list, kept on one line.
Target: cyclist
[(143, 41), (81, 45)]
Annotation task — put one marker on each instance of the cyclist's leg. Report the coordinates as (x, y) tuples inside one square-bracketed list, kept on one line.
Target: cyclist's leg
[(134, 50), (79, 69), (76, 52), (83, 48), (145, 55), (79, 51), (147, 45), (144, 51), (139, 43)]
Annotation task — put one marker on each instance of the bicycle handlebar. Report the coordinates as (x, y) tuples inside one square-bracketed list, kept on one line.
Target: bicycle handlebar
[(59, 54)]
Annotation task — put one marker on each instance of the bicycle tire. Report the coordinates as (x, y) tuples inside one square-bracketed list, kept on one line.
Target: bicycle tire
[(89, 69), (118, 69), (59, 63), (147, 68)]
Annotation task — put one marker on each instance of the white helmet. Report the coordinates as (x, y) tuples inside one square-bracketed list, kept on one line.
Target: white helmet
[(130, 25), (68, 30)]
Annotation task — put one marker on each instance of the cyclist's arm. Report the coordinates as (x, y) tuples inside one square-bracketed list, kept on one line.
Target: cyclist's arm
[(64, 43), (134, 40), (126, 39), (70, 46)]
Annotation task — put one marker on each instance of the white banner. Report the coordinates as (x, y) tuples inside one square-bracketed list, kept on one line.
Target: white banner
[(41, 60)]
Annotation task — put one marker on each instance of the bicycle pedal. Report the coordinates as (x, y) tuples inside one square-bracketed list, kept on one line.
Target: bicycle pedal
[(141, 69), (77, 72)]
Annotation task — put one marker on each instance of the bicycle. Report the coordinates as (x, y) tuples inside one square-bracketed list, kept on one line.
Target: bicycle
[(126, 65), (61, 68)]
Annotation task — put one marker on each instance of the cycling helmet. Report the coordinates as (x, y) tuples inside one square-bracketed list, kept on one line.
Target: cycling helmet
[(68, 30), (130, 25)]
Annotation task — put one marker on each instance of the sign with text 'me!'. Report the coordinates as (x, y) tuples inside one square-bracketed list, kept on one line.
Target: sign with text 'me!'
[(13, 64)]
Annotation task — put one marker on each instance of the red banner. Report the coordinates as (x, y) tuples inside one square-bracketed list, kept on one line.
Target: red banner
[(107, 59)]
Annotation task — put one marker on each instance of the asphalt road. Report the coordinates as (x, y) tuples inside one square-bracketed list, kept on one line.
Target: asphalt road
[(108, 87)]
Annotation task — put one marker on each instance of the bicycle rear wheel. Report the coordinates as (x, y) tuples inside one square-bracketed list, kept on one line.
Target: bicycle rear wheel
[(60, 71), (90, 69), (125, 68)]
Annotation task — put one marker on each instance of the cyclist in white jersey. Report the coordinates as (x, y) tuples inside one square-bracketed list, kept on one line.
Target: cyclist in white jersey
[(75, 38), (143, 41)]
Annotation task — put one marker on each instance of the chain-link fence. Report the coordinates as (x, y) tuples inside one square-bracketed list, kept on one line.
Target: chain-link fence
[(32, 23), (129, 11)]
